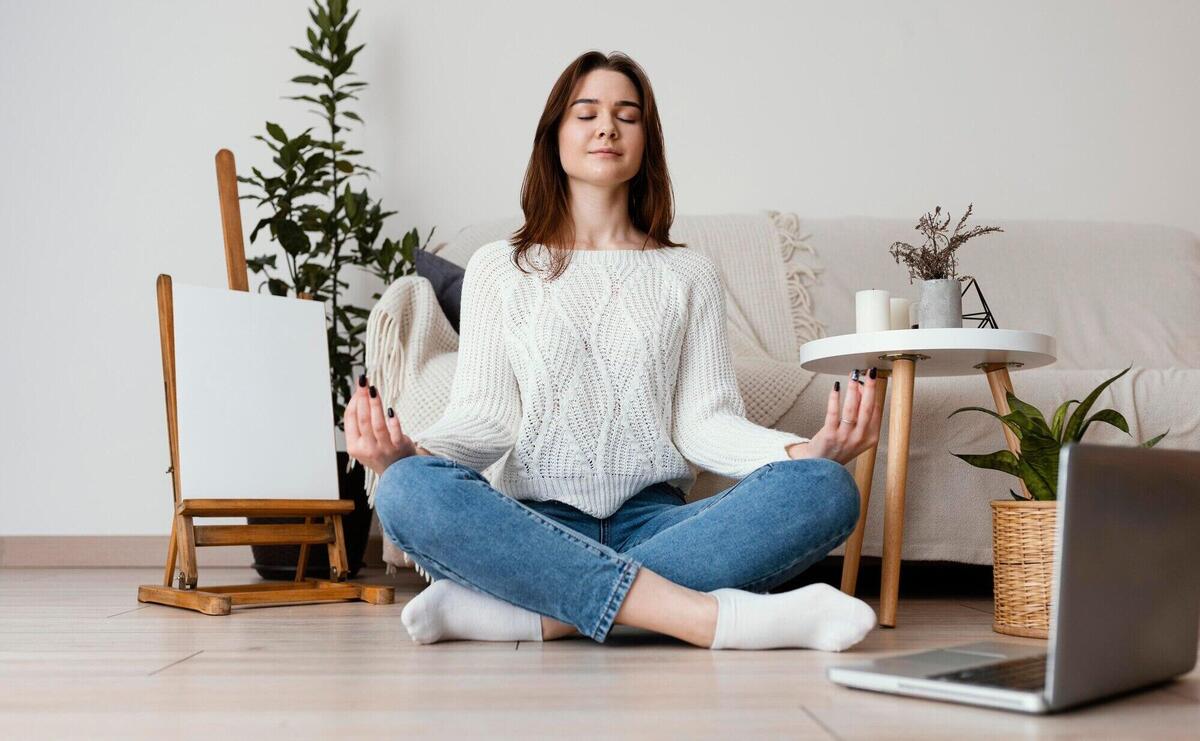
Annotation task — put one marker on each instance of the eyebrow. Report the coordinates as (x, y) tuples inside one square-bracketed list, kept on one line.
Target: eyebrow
[(618, 105)]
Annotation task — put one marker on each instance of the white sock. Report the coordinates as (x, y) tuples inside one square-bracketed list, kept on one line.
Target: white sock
[(446, 610), (817, 616)]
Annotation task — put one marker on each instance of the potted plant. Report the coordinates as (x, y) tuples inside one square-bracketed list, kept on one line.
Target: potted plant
[(1023, 529), (935, 263), (323, 225)]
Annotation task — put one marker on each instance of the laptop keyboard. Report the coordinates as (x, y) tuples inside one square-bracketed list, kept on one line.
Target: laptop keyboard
[(1017, 674)]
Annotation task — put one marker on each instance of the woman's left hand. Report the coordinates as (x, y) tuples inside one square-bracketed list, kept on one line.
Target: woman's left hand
[(850, 429), (373, 438)]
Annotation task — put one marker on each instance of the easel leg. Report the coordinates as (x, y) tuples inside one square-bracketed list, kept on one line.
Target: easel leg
[(864, 472), (171, 548), (338, 570), (186, 545), (303, 561), (899, 426), (1000, 383)]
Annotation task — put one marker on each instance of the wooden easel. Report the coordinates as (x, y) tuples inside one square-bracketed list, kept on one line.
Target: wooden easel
[(187, 536)]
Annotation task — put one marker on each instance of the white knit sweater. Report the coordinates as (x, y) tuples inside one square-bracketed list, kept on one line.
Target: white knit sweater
[(602, 382)]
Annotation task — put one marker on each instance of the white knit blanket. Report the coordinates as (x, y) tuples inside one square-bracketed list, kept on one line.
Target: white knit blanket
[(766, 269)]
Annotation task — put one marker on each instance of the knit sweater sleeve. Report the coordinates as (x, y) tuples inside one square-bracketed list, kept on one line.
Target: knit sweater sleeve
[(481, 419), (710, 426)]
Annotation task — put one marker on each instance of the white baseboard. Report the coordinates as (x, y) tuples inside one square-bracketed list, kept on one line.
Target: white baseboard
[(115, 551)]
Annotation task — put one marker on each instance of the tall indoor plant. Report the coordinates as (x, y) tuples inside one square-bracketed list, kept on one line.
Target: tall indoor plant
[(323, 225), (1023, 530)]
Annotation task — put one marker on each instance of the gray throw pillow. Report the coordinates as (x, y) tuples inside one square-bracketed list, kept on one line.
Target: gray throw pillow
[(446, 278)]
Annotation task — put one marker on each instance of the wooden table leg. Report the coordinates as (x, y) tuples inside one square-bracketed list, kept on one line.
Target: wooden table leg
[(864, 472), (1000, 382), (899, 425)]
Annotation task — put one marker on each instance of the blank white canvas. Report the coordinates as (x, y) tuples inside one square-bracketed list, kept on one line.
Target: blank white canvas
[(253, 394)]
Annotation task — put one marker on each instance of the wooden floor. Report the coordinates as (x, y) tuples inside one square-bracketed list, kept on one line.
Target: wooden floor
[(81, 658)]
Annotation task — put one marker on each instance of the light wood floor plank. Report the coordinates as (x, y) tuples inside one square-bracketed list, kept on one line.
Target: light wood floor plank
[(79, 657)]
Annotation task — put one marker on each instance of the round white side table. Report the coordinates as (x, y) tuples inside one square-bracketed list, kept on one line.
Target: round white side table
[(899, 354)]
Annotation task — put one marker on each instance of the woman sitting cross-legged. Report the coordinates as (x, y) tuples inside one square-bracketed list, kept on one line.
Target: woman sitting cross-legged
[(593, 351)]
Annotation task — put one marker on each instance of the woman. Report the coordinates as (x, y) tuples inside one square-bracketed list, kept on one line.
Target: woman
[(593, 350)]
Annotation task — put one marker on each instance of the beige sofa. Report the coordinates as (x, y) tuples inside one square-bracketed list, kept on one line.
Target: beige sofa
[(1112, 294)]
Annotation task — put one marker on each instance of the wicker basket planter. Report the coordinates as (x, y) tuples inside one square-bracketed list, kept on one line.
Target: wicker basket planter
[(1023, 566)]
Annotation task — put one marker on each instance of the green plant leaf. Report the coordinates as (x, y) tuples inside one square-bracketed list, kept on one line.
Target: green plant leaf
[(1155, 440), (308, 56), (1025, 409), (1040, 456), (276, 131), (322, 19), (1010, 423), (291, 237), (1108, 416), (261, 223), (261, 263), (1001, 460), (1035, 481), (1072, 432), (339, 67), (1060, 416), (307, 80), (277, 287), (1027, 425)]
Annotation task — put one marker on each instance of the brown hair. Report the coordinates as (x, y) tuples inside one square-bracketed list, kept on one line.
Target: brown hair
[(544, 190)]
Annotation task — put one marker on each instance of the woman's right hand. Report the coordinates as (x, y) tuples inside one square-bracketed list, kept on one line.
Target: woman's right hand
[(373, 438), (848, 431)]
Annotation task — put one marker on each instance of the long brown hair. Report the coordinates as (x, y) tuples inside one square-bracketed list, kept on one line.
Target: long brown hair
[(544, 190)]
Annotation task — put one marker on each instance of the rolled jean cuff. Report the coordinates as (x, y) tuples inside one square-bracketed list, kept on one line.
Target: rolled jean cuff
[(615, 599)]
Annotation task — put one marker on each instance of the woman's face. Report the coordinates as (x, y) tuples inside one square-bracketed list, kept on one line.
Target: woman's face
[(604, 113)]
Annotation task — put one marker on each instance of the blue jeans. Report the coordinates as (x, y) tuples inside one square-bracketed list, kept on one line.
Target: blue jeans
[(555, 560)]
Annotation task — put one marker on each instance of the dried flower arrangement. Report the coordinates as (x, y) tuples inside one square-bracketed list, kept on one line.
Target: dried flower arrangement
[(935, 259)]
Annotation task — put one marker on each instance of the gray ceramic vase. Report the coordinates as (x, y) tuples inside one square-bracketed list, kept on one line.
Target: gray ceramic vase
[(941, 304)]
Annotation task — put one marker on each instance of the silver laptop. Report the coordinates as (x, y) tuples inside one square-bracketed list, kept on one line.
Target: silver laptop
[(1125, 612)]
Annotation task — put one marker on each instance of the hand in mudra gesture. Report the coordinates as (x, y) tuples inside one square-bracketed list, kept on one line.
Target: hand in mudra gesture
[(373, 438), (851, 426)]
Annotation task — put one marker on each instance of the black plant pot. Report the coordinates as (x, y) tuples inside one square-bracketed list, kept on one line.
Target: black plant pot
[(279, 561)]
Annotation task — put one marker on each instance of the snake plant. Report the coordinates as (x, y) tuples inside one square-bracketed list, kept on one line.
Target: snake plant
[(1041, 441)]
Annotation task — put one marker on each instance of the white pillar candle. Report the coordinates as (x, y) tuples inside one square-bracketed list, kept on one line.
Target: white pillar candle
[(872, 312), (899, 312), (914, 315)]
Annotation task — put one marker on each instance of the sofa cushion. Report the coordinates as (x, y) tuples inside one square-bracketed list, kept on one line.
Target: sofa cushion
[(446, 278)]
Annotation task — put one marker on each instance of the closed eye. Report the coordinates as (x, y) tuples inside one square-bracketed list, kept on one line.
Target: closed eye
[(589, 118)]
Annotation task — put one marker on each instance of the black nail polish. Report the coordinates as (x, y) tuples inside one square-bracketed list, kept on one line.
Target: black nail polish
[(391, 413), (837, 386), (362, 379), (854, 376), (374, 393), (872, 373)]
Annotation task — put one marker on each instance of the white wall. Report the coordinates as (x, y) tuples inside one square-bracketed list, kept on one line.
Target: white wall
[(112, 112)]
